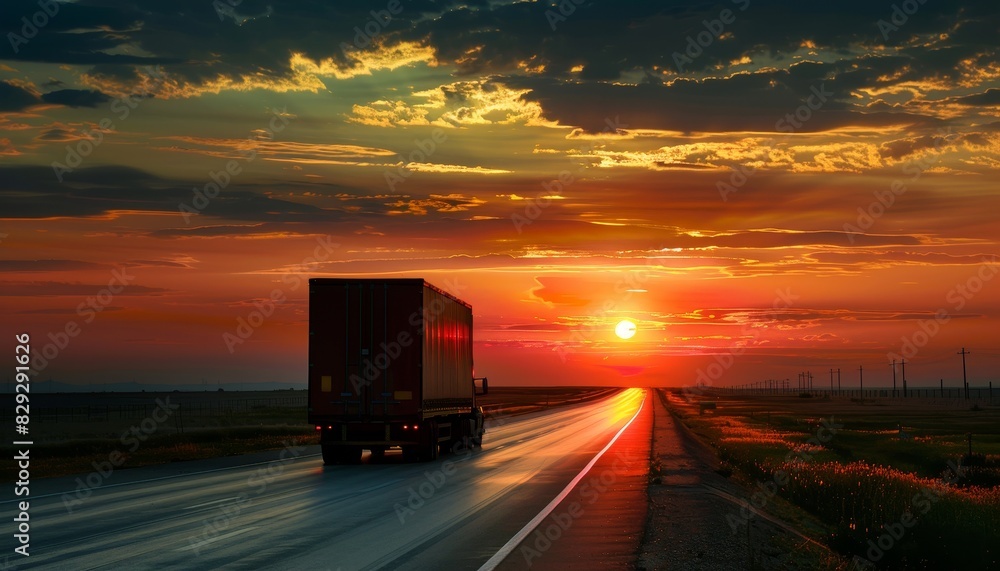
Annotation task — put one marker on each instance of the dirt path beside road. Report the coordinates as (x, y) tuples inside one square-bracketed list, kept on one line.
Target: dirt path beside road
[(697, 518)]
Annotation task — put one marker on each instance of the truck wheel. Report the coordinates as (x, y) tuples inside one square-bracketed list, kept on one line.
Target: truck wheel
[(329, 454), (479, 423), (429, 451)]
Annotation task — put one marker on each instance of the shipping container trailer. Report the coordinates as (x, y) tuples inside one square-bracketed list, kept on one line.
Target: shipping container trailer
[(390, 365)]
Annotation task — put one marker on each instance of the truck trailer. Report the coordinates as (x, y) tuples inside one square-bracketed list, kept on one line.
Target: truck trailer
[(390, 365)]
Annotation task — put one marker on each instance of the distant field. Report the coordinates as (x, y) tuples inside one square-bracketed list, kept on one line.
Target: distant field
[(72, 430), (862, 466)]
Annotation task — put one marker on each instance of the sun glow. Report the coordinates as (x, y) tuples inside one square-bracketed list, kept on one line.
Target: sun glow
[(625, 329)]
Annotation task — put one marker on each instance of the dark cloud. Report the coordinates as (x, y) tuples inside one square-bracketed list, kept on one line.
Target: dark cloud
[(609, 42), (990, 97), (76, 97), (34, 192), (903, 258), (607, 38), (15, 98), (80, 32), (762, 104), (48, 266), (219, 230), (809, 315), (57, 135), (537, 327), (156, 264), (198, 41), (900, 148), (64, 311), (53, 288)]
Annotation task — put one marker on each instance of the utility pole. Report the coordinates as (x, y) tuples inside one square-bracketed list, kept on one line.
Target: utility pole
[(965, 381), (861, 377), (838, 381), (893, 378), (902, 370), (831, 381)]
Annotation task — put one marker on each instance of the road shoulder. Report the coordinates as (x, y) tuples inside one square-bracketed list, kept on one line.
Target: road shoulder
[(698, 519), (600, 524)]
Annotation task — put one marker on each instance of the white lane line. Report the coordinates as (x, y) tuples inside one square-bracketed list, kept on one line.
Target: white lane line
[(214, 539), (508, 547), (212, 502)]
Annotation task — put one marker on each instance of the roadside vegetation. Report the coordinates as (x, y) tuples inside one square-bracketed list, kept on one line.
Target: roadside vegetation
[(892, 484)]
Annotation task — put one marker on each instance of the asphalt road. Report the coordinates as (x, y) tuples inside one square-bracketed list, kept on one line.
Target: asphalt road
[(287, 511)]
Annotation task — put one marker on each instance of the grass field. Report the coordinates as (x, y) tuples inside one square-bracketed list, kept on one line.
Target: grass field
[(869, 471), (72, 431)]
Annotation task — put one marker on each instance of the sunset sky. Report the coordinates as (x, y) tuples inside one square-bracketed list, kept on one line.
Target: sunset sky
[(713, 174)]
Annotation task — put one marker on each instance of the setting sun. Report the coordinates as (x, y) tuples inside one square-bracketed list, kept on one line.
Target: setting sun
[(625, 329)]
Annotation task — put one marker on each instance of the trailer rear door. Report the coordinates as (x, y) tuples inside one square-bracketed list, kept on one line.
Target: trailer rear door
[(365, 348)]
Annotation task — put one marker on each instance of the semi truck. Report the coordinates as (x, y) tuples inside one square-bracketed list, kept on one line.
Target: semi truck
[(390, 365)]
